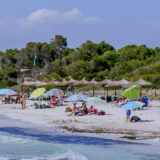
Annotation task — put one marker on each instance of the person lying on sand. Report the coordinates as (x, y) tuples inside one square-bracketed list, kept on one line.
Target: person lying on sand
[(75, 110)]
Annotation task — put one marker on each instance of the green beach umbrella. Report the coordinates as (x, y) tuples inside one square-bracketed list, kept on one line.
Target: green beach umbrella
[(95, 100), (38, 92), (131, 92)]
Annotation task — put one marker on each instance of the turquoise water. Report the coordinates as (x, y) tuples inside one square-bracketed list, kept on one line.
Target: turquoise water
[(31, 143)]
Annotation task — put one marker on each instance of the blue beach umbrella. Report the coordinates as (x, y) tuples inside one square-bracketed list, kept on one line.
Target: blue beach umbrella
[(76, 97), (132, 105), (5, 91)]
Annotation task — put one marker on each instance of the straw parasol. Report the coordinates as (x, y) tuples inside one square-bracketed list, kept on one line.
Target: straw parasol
[(64, 82), (54, 83), (71, 81), (82, 82), (142, 83), (112, 84), (105, 82), (93, 82), (117, 83), (26, 83), (39, 84)]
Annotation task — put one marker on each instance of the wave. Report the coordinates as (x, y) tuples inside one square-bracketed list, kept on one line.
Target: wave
[(65, 156)]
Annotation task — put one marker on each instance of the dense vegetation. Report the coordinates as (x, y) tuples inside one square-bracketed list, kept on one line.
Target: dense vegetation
[(90, 60)]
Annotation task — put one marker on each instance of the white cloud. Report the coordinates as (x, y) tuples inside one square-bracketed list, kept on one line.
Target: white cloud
[(54, 17), (44, 19)]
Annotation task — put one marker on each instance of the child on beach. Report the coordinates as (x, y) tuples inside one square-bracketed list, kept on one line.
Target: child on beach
[(23, 102), (128, 114)]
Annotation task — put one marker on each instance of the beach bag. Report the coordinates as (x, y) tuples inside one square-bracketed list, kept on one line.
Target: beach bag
[(95, 111), (101, 113), (135, 119)]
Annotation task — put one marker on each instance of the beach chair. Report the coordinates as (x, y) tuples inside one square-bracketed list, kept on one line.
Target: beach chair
[(145, 101)]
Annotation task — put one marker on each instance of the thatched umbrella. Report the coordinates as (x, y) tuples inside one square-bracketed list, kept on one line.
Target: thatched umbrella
[(104, 83), (54, 83), (82, 82), (117, 84), (26, 83), (112, 84), (71, 81), (142, 83), (57, 83), (123, 82), (40, 84), (93, 82)]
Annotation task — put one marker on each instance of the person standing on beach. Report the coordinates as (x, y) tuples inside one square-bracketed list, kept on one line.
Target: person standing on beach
[(23, 101), (128, 114)]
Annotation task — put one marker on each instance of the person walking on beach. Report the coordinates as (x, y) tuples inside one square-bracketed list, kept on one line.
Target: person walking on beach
[(128, 114)]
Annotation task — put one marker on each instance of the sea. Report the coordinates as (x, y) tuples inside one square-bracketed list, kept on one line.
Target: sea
[(24, 141)]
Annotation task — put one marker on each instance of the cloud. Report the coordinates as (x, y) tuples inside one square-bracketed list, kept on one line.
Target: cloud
[(48, 16), (43, 20)]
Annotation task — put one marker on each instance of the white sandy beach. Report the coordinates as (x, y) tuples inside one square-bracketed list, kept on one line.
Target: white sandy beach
[(113, 123)]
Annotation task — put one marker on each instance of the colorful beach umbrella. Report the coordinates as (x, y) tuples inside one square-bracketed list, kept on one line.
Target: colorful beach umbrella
[(132, 105), (94, 100), (54, 92), (131, 92), (5, 91), (76, 97), (38, 92)]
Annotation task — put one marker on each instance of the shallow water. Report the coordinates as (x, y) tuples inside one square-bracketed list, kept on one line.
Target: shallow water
[(21, 142)]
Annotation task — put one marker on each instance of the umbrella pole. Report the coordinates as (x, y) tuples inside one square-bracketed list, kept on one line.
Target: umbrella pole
[(83, 89), (105, 96), (115, 93), (140, 92), (93, 90), (155, 93)]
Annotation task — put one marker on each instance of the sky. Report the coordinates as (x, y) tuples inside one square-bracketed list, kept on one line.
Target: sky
[(117, 22)]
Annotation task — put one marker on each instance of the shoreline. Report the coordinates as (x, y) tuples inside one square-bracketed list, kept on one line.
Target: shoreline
[(104, 127)]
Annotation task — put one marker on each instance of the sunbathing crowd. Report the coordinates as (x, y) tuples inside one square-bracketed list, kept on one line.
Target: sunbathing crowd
[(83, 110)]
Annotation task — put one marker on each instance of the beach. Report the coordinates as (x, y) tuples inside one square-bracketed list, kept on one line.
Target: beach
[(112, 125)]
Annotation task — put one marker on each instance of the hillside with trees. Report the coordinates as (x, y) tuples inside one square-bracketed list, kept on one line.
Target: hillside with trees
[(91, 60)]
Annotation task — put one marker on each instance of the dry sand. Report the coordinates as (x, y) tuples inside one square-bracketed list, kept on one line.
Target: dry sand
[(113, 123)]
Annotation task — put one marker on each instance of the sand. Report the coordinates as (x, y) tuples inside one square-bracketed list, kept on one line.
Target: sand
[(113, 123)]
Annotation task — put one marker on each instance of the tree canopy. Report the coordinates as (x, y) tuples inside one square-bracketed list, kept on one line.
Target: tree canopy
[(91, 60)]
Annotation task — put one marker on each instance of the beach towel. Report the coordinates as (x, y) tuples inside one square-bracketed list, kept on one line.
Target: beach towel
[(80, 114)]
